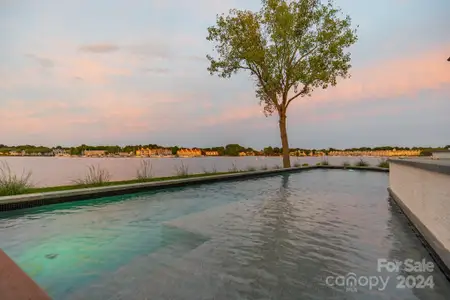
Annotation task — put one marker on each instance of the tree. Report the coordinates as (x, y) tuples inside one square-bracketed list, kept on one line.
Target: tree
[(289, 48), (233, 149), (175, 150)]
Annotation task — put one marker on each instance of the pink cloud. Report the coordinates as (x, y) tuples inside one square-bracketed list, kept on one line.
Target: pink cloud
[(386, 79)]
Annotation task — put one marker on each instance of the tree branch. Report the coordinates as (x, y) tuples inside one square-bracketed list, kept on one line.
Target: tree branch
[(259, 75), (303, 91)]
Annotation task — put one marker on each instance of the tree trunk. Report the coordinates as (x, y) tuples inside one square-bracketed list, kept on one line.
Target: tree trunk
[(284, 140)]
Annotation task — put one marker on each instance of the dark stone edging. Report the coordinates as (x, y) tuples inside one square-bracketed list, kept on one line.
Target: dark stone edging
[(438, 166), (438, 252), (39, 199)]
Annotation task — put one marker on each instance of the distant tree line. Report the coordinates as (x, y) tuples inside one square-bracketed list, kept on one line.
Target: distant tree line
[(228, 150)]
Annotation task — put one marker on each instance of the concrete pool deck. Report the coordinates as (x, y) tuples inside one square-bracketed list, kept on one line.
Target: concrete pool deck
[(421, 188), (38, 199)]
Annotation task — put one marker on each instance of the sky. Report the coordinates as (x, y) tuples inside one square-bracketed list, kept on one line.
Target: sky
[(134, 72)]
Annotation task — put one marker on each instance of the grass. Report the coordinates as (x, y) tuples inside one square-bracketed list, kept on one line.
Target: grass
[(233, 168), (362, 163), (144, 171), (182, 170), (111, 183), (324, 162), (213, 170), (95, 175), (383, 163), (10, 183)]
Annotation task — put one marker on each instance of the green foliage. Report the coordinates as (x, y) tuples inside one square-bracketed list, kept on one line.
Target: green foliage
[(10, 183), (234, 149), (361, 163), (305, 165), (383, 163), (318, 164), (144, 172), (95, 176), (182, 170), (175, 150)]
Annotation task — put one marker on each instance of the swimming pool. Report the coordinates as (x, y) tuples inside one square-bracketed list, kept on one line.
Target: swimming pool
[(287, 236)]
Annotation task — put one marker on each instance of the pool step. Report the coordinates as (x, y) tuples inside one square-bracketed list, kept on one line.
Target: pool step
[(127, 281)]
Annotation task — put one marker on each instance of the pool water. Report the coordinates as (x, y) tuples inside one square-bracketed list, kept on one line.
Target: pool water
[(280, 237)]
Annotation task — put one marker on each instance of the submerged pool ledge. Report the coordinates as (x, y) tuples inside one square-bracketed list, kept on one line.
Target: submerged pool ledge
[(421, 188), (39, 199)]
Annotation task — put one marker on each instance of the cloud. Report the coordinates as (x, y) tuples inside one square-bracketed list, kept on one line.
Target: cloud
[(43, 62), (99, 48), (156, 70), (160, 50), (405, 76)]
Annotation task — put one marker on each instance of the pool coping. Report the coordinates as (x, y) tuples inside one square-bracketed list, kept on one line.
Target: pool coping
[(434, 165), (38, 199), (435, 248), (15, 284)]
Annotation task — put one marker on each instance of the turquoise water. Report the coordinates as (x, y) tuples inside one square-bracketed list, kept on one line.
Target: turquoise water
[(271, 238)]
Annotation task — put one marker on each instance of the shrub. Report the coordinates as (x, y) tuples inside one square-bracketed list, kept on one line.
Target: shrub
[(383, 163), (276, 167), (324, 162), (318, 164), (182, 170), (251, 169), (346, 164), (144, 171), (297, 164), (264, 167), (10, 183), (361, 163), (233, 168), (305, 165), (96, 175), (213, 170)]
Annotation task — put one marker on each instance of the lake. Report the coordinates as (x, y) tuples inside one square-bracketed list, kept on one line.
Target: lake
[(53, 171)]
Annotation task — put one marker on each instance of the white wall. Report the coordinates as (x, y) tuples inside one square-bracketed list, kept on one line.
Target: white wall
[(427, 195)]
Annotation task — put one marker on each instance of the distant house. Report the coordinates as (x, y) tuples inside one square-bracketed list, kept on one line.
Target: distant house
[(153, 152), (441, 154), (189, 152), (94, 153), (211, 153), (59, 152)]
